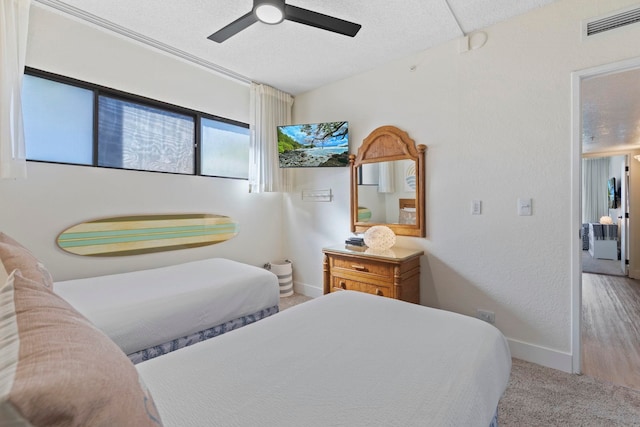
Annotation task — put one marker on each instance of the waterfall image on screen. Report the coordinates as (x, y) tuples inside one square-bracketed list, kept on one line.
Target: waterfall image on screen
[(312, 145), (611, 193)]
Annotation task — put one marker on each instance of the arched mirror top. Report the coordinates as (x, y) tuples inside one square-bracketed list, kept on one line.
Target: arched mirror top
[(388, 143), (397, 205)]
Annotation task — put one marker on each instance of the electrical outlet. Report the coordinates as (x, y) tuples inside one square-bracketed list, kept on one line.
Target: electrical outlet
[(487, 316)]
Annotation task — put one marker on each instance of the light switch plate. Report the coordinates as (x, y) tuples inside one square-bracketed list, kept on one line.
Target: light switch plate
[(524, 207), (476, 207), (317, 195)]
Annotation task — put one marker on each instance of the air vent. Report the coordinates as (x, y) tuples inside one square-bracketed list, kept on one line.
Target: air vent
[(612, 21)]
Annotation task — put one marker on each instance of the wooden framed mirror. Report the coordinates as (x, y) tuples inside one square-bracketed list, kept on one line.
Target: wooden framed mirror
[(388, 183)]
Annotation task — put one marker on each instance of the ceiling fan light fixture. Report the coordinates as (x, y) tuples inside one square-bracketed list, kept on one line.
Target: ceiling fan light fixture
[(269, 12)]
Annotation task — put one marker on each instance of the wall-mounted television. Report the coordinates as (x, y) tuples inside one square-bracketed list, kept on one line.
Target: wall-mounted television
[(314, 144), (611, 193)]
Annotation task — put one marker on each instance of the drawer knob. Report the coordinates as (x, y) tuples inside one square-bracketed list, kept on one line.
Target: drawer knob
[(379, 292), (343, 285), (358, 267)]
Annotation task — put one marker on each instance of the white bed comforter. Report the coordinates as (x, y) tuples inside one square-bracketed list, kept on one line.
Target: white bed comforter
[(344, 359), (145, 308)]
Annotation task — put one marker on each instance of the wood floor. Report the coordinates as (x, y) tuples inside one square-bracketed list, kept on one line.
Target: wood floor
[(611, 329)]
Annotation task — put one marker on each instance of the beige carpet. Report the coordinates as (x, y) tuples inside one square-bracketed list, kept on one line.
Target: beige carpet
[(539, 396), (286, 302)]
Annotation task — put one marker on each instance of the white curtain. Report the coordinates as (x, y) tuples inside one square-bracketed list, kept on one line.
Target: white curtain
[(386, 183), (14, 22), (595, 173), (270, 108)]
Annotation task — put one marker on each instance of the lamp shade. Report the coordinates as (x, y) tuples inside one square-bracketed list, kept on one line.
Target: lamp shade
[(389, 253), (379, 237), (606, 220)]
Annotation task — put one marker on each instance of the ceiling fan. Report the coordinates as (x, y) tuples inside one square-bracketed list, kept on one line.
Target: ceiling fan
[(275, 11)]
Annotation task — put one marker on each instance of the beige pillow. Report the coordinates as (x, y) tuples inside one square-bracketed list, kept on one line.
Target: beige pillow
[(15, 256), (57, 369)]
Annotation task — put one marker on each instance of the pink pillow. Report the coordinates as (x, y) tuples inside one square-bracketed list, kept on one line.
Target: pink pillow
[(15, 256), (59, 370)]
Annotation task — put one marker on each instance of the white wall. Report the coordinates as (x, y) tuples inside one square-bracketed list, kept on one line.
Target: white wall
[(497, 123), (55, 197), (615, 168)]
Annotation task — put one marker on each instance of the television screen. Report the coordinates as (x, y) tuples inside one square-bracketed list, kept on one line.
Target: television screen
[(611, 193), (311, 145)]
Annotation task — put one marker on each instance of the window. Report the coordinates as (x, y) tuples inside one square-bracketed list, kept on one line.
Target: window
[(225, 149), (58, 121), (68, 121), (134, 136)]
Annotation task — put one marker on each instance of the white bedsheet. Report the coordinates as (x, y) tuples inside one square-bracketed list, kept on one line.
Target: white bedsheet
[(344, 359), (145, 308)]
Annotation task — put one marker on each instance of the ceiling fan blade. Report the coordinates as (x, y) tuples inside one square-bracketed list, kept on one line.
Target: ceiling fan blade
[(319, 20), (235, 27)]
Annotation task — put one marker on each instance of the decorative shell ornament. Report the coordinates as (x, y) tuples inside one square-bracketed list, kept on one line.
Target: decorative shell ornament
[(379, 237)]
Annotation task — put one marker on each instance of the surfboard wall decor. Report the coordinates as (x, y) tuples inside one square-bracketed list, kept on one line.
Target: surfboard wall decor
[(133, 235)]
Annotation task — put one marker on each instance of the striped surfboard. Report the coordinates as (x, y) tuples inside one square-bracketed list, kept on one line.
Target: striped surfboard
[(133, 235)]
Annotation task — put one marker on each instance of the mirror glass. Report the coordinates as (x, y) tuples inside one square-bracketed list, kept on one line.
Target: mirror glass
[(387, 192)]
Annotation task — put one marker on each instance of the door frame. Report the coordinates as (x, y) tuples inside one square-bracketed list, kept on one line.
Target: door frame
[(576, 198)]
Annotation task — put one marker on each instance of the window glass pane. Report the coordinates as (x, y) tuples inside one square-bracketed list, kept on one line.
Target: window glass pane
[(133, 136), (225, 149), (58, 121)]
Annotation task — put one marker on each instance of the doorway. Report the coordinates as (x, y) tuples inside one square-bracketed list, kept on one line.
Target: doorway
[(625, 144), (604, 213), (610, 301)]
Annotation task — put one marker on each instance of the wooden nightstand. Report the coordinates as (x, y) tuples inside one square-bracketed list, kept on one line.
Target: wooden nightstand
[(393, 274)]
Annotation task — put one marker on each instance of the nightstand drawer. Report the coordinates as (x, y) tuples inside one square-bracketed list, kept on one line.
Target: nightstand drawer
[(363, 268), (396, 276), (340, 284)]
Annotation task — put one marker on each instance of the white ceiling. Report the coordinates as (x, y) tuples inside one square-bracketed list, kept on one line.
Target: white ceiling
[(297, 58), (611, 111), (293, 57)]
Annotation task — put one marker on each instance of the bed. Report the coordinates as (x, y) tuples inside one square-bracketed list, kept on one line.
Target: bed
[(148, 313), (343, 359)]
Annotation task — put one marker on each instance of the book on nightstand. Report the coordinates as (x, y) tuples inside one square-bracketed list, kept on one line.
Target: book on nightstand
[(355, 244), (355, 241)]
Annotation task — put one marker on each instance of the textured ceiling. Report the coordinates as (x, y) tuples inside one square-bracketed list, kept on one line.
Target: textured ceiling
[(611, 111), (289, 56), (297, 58)]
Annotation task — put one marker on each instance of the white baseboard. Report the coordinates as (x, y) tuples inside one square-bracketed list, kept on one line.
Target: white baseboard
[(540, 355), (307, 290)]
